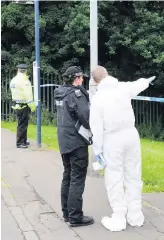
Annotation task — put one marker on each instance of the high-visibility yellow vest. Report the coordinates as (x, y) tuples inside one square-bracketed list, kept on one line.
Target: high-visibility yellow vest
[(21, 90)]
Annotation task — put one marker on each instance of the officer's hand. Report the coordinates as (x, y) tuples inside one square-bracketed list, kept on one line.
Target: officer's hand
[(32, 107)]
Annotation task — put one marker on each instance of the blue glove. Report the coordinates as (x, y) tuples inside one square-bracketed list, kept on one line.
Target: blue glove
[(99, 164), (101, 160)]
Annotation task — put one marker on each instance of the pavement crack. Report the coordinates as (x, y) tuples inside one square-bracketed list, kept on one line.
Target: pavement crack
[(137, 231), (38, 237), (77, 235), (156, 228), (153, 207), (48, 213), (156, 238), (34, 190), (37, 234), (40, 220)]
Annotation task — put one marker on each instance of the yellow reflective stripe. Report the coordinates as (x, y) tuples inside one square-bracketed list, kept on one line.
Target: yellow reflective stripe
[(18, 108)]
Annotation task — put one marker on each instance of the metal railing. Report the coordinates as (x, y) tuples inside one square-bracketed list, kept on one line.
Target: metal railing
[(147, 112)]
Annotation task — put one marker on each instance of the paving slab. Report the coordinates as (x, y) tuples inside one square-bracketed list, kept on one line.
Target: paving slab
[(10, 230), (31, 235), (155, 200), (31, 189)]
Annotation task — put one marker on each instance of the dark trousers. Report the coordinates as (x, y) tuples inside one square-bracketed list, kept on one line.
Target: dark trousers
[(73, 183), (23, 117)]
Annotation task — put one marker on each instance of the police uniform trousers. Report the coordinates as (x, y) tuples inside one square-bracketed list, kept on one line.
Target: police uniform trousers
[(75, 169), (23, 118)]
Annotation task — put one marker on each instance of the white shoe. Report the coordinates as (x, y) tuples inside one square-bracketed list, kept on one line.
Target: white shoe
[(114, 224), (135, 220)]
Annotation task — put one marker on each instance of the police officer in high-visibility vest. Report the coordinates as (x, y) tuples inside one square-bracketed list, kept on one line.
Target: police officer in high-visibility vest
[(23, 104)]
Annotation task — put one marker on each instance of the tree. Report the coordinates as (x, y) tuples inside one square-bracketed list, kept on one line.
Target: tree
[(131, 37), (134, 39)]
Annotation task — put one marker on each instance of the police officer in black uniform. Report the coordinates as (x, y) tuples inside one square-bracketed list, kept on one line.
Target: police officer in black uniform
[(72, 102)]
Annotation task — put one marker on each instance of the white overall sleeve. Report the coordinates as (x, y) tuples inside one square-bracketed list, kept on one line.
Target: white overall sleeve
[(96, 125), (134, 88)]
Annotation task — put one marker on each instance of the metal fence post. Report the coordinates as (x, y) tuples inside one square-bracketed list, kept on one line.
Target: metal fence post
[(37, 47), (93, 55)]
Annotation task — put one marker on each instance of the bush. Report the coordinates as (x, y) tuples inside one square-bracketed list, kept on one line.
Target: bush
[(47, 117), (149, 130), (152, 131)]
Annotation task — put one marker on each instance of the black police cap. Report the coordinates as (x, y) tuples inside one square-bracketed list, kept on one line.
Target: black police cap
[(74, 71), (22, 66)]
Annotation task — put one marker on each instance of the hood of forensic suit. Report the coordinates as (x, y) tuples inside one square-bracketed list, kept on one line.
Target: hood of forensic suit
[(108, 82)]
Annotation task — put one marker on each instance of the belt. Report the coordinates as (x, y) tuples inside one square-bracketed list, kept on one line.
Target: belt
[(19, 102), (16, 105)]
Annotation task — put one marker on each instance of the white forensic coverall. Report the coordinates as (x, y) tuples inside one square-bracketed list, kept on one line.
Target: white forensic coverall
[(112, 123)]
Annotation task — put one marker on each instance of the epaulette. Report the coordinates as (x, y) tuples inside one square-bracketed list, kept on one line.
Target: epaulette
[(78, 93), (12, 86)]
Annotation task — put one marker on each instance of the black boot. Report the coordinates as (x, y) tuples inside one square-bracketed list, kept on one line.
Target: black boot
[(66, 219), (22, 145), (83, 221)]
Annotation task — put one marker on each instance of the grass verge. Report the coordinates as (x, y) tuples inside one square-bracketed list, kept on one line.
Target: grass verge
[(152, 155), (49, 133)]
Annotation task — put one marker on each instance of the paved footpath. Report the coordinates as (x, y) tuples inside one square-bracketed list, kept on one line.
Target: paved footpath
[(31, 200)]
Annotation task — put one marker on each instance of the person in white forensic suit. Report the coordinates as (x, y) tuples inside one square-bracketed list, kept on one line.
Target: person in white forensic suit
[(116, 139)]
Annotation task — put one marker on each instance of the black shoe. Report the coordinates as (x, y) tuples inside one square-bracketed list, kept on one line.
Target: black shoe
[(66, 219), (83, 221), (27, 143), (22, 146)]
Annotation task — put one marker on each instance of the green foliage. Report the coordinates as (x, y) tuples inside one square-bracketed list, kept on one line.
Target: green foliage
[(131, 37), (153, 132), (49, 134), (134, 39), (47, 118), (152, 155), (131, 42), (149, 131), (5, 95)]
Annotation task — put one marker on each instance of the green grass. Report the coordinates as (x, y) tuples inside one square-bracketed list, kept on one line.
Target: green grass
[(152, 155), (49, 133), (153, 165)]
